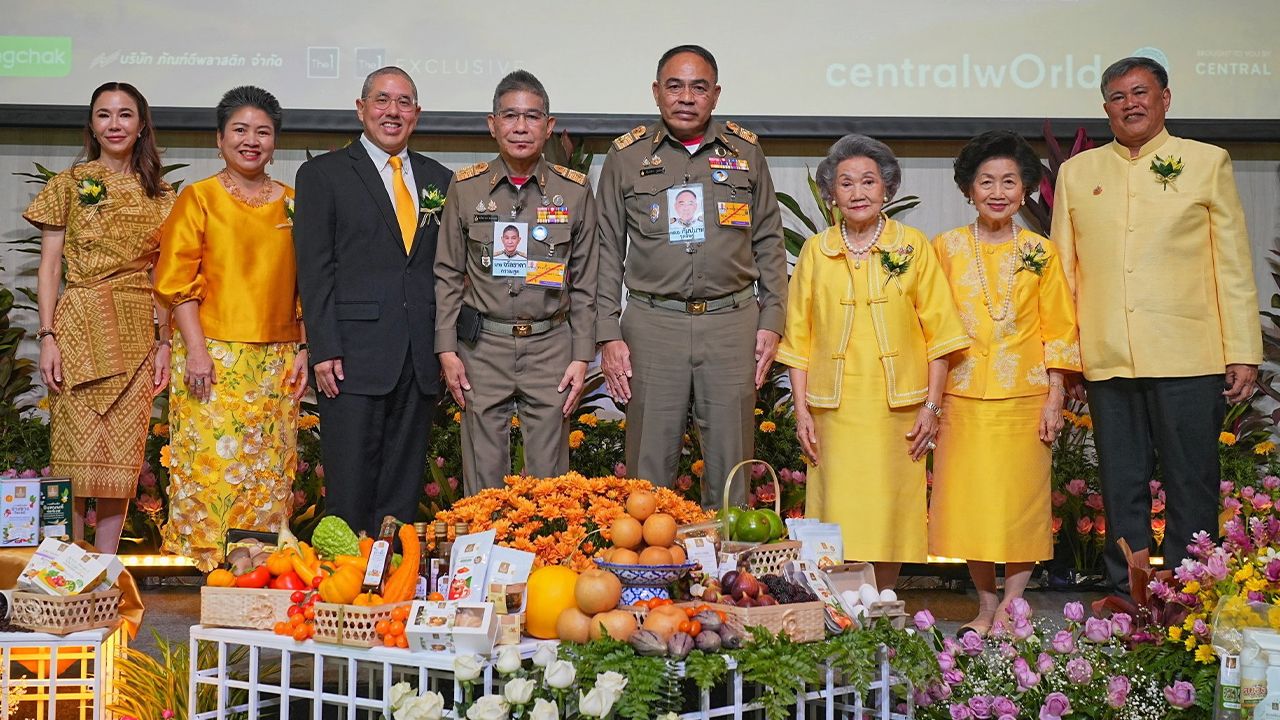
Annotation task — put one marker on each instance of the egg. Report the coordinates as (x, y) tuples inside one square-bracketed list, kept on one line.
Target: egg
[(888, 595), (867, 594), (859, 612), (850, 599)]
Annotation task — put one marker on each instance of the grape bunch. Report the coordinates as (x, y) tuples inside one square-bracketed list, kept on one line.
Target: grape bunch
[(786, 591)]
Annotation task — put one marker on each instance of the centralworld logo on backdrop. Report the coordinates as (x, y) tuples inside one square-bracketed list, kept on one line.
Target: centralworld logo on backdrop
[(1027, 71)]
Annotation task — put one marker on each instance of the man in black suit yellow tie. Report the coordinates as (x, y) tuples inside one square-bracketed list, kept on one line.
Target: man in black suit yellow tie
[(366, 244)]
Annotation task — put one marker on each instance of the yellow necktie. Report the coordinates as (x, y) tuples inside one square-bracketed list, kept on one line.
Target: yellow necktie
[(405, 211)]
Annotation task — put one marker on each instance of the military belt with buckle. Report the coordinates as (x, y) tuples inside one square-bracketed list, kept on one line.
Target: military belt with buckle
[(694, 307), (522, 328)]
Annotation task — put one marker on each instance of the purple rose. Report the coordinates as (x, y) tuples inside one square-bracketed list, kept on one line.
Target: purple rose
[(1117, 691), (941, 691), (946, 661), (922, 697), (1121, 624), (1023, 674), (1073, 611), (1271, 482), (1055, 706), (923, 620), (971, 643), (981, 706), (1097, 629), (953, 677), (1044, 663), (1247, 492), (1079, 671), (950, 645), (960, 711), (1019, 608), (1064, 642), (1003, 706), (1181, 694), (1007, 717), (1007, 650), (1022, 628)]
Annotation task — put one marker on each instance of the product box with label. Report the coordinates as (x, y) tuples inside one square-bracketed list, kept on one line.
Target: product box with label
[(58, 568), (19, 512), (452, 627), (55, 508)]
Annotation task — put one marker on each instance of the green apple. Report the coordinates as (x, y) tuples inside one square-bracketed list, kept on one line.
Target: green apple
[(777, 530), (753, 526), (728, 518)]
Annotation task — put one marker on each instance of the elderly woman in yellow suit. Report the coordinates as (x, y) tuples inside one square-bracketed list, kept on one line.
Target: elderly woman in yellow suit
[(1004, 394), (870, 323), (227, 270)]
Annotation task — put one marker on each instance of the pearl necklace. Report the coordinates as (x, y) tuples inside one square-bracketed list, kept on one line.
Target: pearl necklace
[(861, 252), (262, 197), (982, 275)]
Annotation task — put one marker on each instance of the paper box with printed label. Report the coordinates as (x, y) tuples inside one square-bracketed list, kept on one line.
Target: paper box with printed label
[(19, 512), (55, 508), (58, 568), (430, 626)]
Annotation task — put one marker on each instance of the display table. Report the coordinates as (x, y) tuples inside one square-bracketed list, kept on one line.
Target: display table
[(248, 674), (59, 676)]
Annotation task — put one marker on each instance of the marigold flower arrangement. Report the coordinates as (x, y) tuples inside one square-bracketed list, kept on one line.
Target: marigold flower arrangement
[(563, 520)]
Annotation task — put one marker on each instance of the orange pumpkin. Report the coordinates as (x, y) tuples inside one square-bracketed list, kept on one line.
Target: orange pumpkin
[(549, 592)]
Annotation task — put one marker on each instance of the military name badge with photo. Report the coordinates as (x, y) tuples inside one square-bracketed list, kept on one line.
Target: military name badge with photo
[(684, 208), (510, 249)]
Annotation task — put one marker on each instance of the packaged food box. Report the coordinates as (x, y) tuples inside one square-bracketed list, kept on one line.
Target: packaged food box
[(55, 508), (19, 512)]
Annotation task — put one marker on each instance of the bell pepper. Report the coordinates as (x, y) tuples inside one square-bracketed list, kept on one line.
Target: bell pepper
[(256, 578), (288, 581)]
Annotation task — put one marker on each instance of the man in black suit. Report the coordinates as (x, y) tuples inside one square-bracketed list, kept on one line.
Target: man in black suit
[(366, 244)]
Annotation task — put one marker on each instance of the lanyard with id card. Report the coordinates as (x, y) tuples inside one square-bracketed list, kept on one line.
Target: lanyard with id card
[(684, 210)]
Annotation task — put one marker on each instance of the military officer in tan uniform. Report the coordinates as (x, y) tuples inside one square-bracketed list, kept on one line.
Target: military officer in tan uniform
[(515, 331), (705, 299)]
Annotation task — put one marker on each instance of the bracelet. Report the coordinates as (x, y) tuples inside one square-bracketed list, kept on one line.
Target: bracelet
[(302, 346), (44, 332), (933, 408)]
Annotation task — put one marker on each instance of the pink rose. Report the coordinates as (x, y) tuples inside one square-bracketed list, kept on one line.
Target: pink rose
[(1271, 482), (953, 677), (1181, 694), (1097, 629), (971, 643), (1022, 628), (960, 711), (1003, 706), (1117, 691), (1225, 487), (1055, 706), (946, 661), (1121, 624), (1100, 525), (1058, 498), (684, 482), (1077, 487), (1093, 502), (1073, 611), (439, 461), (1022, 672), (981, 706), (453, 483), (1247, 492), (433, 489), (1044, 663), (1019, 608), (1079, 671), (1064, 642), (1157, 506), (923, 620), (1084, 526)]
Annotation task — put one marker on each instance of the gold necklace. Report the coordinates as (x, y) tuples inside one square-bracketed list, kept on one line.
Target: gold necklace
[(982, 275), (262, 197), (861, 252)]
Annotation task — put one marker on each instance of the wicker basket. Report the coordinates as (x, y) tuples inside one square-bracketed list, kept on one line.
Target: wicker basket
[(351, 624), (255, 609), (803, 622), (60, 615)]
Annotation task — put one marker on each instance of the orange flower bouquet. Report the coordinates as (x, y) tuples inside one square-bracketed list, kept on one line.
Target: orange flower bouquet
[(563, 520)]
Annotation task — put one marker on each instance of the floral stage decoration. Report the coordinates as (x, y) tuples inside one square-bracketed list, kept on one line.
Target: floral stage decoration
[(560, 519)]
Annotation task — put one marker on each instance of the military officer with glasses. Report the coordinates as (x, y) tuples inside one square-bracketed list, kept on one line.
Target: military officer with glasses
[(705, 287), (515, 292)]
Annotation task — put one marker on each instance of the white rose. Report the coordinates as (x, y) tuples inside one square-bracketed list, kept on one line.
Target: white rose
[(544, 710), (400, 692), (544, 655), (611, 681), (489, 707), (427, 707), (519, 691), (509, 660), (466, 668), (597, 703), (560, 674)]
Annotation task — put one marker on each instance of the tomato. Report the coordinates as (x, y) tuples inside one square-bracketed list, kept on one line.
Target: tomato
[(397, 628), (402, 641), (300, 633), (309, 613), (690, 610), (381, 627), (288, 581), (294, 610), (315, 581), (297, 597), (282, 628), (684, 626), (256, 578), (296, 619), (695, 627), (400, 613)]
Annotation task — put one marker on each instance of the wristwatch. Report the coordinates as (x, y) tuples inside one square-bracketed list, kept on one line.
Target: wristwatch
[(933, 408), (44, 332)]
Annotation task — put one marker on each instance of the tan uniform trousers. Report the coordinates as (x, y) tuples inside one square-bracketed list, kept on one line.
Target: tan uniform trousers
[(512, 375), (674, 356)]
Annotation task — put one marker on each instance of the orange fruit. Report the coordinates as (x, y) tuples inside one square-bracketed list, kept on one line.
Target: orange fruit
[(659, 530), (654, 555), (641, 504), (678, 556), (626, 532), (381, 627), (623, 556), (400, 613), (397, 628), (220, 578), (402, 641), (435, 597)]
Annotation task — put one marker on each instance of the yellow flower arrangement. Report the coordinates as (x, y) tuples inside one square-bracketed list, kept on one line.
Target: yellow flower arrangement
[(1084, 421), (306, 422), (575, 439), (1175, 633), (1227, 439), (768, 426), (165, 458), (588, 419), (1264, 448), (1070, 417), (759, 412), (559, 518), (1205, 654)]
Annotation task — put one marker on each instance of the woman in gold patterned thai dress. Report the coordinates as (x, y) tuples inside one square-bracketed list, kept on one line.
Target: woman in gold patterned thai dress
[(98, 351), (1003, 403), (227, 272)]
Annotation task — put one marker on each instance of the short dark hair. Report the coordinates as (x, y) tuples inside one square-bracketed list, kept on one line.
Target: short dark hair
[(510, 227), (387, 70), (1123, 66), (998, 144), (521, 81), (855, 145), (698, 50), (248, 96)]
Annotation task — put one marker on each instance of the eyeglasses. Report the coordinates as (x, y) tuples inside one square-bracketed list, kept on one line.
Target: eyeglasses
[(382, 101), (675, 87), (511, 117)]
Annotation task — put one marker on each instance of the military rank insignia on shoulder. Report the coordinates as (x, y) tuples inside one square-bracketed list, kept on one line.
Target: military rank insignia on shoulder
[(471, 171), (741, 132), (625, 139), (570, 175)]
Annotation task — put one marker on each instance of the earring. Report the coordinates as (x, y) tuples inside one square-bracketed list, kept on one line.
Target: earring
[(1023, 203), (886, 198), (272, 161), (219, 154)]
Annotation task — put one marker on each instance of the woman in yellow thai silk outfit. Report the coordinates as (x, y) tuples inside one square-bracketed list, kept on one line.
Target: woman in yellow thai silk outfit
[(870, 322), (99, 354), (1003, 404), (227, 271)]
